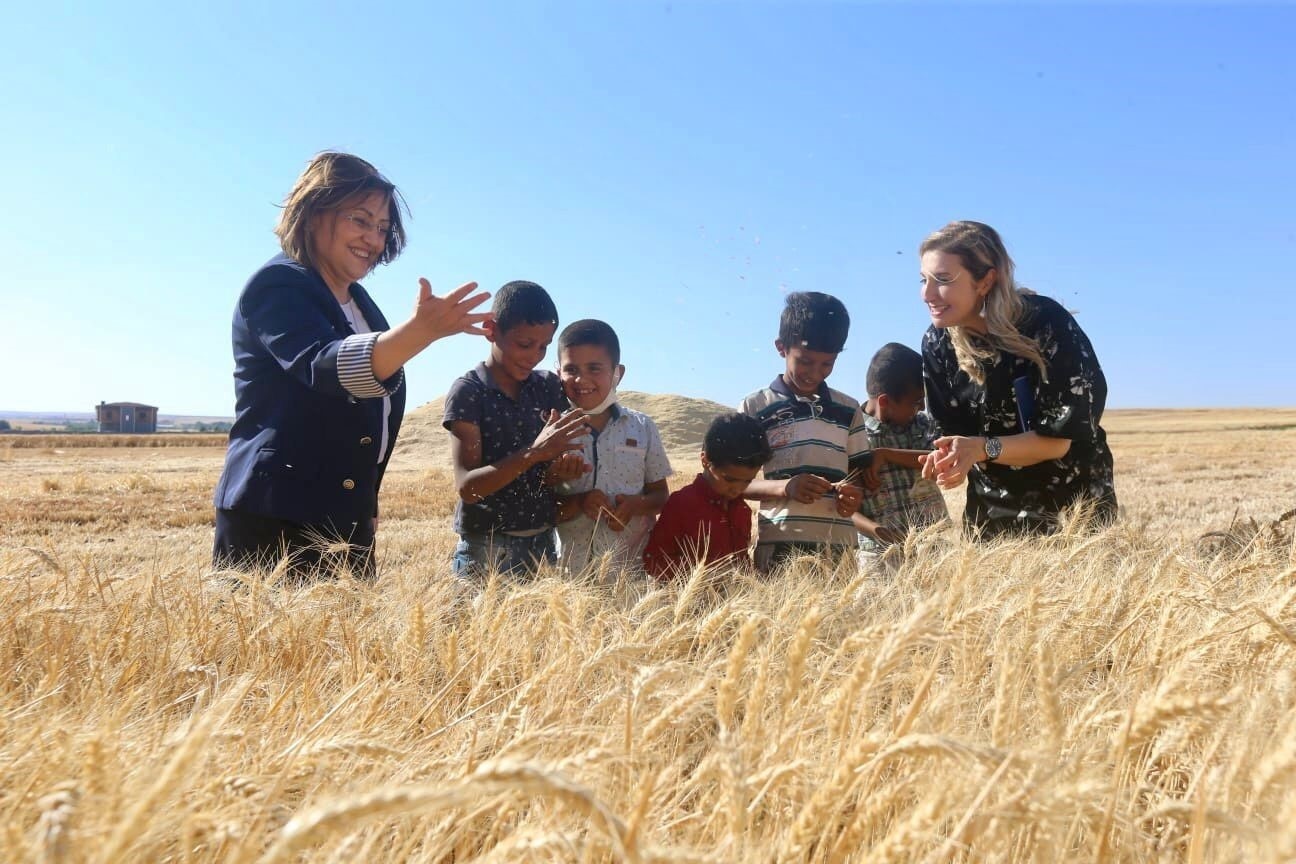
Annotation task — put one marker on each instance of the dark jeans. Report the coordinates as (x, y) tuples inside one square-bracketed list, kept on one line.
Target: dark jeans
[(249, 541), (478, 555)]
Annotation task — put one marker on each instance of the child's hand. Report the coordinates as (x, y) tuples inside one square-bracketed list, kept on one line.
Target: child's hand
[(567, 467), (880, 533), (627, 507), (807, 488), (848, 498), (559, 435), (889, 536), (928, 462), (870, 476), (595, 504)]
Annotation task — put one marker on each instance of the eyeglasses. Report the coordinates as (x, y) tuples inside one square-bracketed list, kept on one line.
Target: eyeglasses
[(363, 223)]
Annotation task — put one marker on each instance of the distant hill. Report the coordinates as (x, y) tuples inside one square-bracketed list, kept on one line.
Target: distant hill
[(682, 421)]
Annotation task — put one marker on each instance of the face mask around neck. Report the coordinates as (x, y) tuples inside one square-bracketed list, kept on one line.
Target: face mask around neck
[(609, 400)]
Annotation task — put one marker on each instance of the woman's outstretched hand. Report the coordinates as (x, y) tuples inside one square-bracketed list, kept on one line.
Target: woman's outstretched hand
[(434, 318), (952, 459), (439, 317)]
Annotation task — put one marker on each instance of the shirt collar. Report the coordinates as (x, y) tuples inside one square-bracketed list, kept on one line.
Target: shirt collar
[(487, 379), (704, 489), (615, 414), (876, 426), (824, 395)]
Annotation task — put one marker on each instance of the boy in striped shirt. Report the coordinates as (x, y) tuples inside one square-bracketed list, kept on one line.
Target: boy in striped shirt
[(808, 491)]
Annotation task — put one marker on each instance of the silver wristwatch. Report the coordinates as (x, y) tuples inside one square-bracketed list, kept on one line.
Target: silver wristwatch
[(994, 448)]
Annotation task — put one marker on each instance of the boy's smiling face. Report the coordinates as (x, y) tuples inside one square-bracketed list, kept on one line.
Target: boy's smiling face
[(806, 369), (518, 350), (588, 374)]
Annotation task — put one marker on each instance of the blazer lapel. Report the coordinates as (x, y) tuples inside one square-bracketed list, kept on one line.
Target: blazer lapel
[(325, 300), (368, 308)]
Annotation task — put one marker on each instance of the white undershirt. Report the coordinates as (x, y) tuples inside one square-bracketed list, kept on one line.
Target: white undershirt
[(360, 325)]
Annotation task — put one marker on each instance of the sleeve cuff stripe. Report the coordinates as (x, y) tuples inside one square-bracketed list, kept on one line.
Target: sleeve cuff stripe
[(355, 366)]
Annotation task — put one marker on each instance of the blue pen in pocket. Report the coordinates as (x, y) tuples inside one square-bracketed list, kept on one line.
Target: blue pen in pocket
[(1025, 394)]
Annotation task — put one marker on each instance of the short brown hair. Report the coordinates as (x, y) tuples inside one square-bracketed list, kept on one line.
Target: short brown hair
[(331, 180)]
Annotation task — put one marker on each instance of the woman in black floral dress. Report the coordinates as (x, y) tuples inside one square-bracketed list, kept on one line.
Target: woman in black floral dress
[(1015, 389)]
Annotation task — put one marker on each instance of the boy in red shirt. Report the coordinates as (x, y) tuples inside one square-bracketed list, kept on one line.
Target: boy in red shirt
[(707, 522)]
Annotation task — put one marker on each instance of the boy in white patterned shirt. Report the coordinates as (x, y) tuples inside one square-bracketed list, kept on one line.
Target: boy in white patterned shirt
[(605, 516)]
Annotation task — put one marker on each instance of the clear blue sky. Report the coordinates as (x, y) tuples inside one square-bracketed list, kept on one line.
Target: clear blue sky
[(672, 168)]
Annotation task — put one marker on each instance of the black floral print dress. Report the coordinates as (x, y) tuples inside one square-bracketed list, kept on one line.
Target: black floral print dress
[(1003, 499)]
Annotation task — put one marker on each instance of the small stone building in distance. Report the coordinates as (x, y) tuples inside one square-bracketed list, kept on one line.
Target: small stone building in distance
[(131, 417)]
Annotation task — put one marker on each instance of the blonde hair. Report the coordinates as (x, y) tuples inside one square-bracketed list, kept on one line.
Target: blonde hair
[(331, 181), (981, 250)]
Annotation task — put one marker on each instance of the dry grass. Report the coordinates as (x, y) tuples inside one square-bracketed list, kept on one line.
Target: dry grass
[(1118, 698), (97, 440)]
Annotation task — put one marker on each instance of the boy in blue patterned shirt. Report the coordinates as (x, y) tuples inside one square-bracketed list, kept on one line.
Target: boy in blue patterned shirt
[(899, 432), (508, 440)]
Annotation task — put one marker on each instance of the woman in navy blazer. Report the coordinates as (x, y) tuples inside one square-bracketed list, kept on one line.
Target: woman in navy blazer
[(318, 379)]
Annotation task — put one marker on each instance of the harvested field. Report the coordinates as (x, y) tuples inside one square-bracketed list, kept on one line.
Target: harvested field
[(1125, 697)]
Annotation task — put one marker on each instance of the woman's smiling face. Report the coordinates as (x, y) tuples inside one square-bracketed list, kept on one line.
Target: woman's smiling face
[(344, 251), (953, 298)]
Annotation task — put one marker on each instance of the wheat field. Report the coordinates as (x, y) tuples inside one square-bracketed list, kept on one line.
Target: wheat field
[(1129, 696)]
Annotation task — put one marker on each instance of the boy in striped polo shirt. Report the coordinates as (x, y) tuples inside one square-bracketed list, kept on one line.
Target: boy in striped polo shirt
[(808, 491)]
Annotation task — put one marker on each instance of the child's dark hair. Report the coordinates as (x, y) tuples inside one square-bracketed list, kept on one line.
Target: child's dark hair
[(522, 302), (815, 321), (591, 331), (737, 439), (895, 371)]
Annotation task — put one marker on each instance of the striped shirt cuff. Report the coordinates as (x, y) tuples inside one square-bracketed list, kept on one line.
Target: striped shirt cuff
[(355, 367)]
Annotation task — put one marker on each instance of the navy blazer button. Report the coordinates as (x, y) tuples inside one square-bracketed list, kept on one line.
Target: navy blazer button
[(348, 484), (366, 441)]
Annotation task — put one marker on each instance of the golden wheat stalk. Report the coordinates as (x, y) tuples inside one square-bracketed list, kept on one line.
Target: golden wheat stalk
[(490, 779)]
